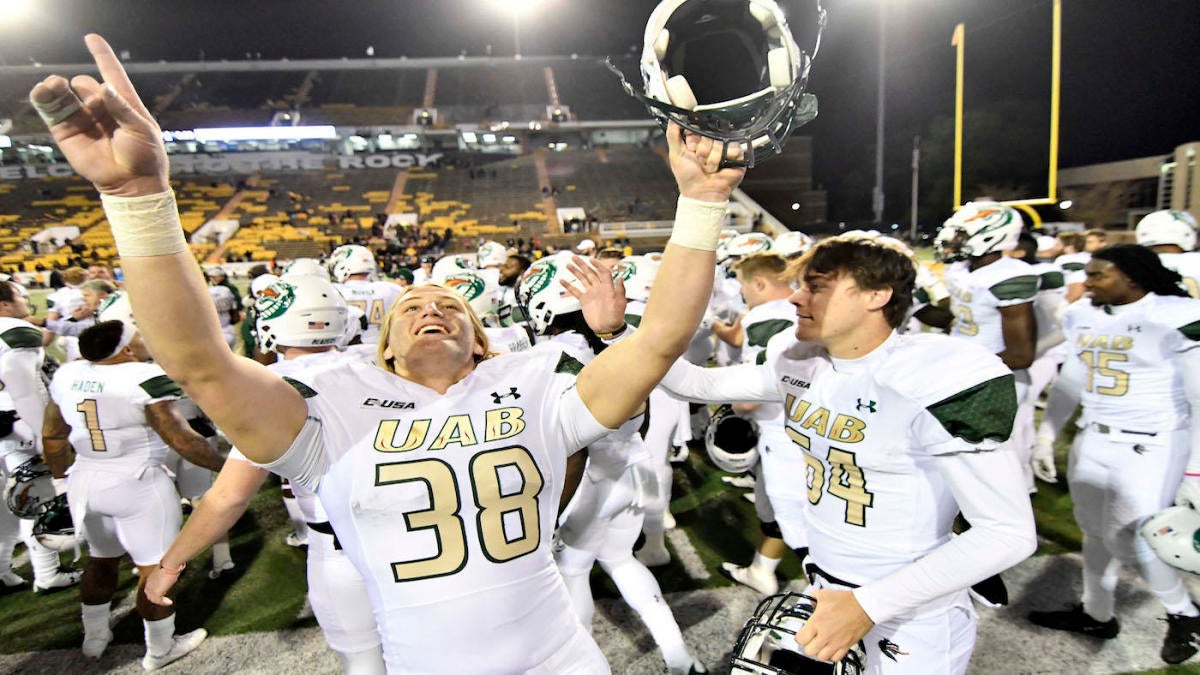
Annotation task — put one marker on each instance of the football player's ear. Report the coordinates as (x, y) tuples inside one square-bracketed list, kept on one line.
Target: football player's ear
[(879, 298), (388, 354)]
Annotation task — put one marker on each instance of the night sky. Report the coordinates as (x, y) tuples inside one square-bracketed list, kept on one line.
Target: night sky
[(1131, 69)]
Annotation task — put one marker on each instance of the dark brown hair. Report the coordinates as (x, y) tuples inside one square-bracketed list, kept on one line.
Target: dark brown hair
[(873, 265)]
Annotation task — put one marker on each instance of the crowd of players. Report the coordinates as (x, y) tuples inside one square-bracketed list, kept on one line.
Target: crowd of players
[(1118, 347), (469, 443)]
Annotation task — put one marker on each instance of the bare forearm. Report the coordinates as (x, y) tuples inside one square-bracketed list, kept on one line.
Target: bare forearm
[(196, 450), (57, 454), (207, 524)]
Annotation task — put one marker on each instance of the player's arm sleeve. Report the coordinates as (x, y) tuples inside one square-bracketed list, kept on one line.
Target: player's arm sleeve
[(571, 424), (68, 328), (747, 383), (1189, 365), (23, 382), (304, 462), (1063, 398), (990, 491)]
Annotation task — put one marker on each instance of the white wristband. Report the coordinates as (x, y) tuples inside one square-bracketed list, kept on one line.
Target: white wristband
[(698, 224), (145, 226)]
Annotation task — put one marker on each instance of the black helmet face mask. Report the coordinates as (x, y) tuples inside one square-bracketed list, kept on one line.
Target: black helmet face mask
[(729, 70)]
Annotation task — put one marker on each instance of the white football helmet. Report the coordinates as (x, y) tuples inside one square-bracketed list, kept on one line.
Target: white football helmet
[(637, 272), (791, 243), (28, 488), (474, 288), (490, 254), (1168, 227), (447, 265), (730, 71), (731, 441), (307, 267), (258, 283), (1174, 534), (350, 259), (977, 229), (115, 307), (747, 244), (53, 526), (541, 296), (299, 312), (767, 643)]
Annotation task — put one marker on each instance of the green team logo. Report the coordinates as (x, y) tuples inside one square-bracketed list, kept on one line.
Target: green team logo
[(538, 278), (470, 286), (108, 301), (275, 300), (626, 270)]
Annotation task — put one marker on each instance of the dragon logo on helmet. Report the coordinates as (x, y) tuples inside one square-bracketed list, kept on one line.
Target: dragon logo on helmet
[(274, 300)]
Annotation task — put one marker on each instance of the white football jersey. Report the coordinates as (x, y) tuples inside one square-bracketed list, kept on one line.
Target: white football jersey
[(760, 325), (374, 298), (1133, 379), (1049, 305), (1188, 266), (105, 405), (64, 301), (19, 334), (869, 430), (1072, 265), (446, 503), (977, 296)]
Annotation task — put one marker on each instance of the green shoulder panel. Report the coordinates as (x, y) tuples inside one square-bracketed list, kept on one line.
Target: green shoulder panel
[(759, 334), (1073, 266), (921, 297), (161, 386), (634, 320), (1052, 280), (1191, 331), (1016, 288), (985, 410), (305, 390), (22, 337), (568, 364)]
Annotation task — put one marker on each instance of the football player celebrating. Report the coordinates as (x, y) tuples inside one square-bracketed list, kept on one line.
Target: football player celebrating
[(1135, 367), (893, 451), (445, 500), (117, 412)]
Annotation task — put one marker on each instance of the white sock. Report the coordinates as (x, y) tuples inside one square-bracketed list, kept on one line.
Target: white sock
[(365, 662), (95, 618), (6, 555), (641, 591), (44, 561), (1099, 579), (220, 554), (764, 565), (160, 635)]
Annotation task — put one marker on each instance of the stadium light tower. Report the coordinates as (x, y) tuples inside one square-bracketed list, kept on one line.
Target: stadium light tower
[(517, 7)]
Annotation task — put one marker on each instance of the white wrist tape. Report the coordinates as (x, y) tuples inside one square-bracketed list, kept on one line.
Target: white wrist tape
[(698, 224), (145, 226)]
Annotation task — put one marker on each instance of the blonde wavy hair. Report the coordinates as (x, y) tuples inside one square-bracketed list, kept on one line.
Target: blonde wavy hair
[(385, 331)]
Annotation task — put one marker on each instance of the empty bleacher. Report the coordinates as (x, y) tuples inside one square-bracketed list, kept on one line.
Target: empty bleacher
[(614, 185)]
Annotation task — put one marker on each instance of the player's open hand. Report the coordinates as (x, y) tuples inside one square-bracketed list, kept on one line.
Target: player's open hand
[(158, 584), (837, 624), (600, 293), (696, 163), (104, 130)]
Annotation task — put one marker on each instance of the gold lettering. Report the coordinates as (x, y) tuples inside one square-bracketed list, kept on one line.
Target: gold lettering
[(795, 408), (1083, 341), (457, 429), (1122, 342), (385, 436), (818, 422), (847, 429), (1100, 342), (503, 423)]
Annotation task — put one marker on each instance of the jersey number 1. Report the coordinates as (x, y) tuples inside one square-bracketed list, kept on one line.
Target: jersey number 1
[(91, 417)]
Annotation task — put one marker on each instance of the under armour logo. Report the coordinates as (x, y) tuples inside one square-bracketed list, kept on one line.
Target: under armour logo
[(890, 649), (1134, 328), (497, 397), (1139, 449), (869, 406)]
